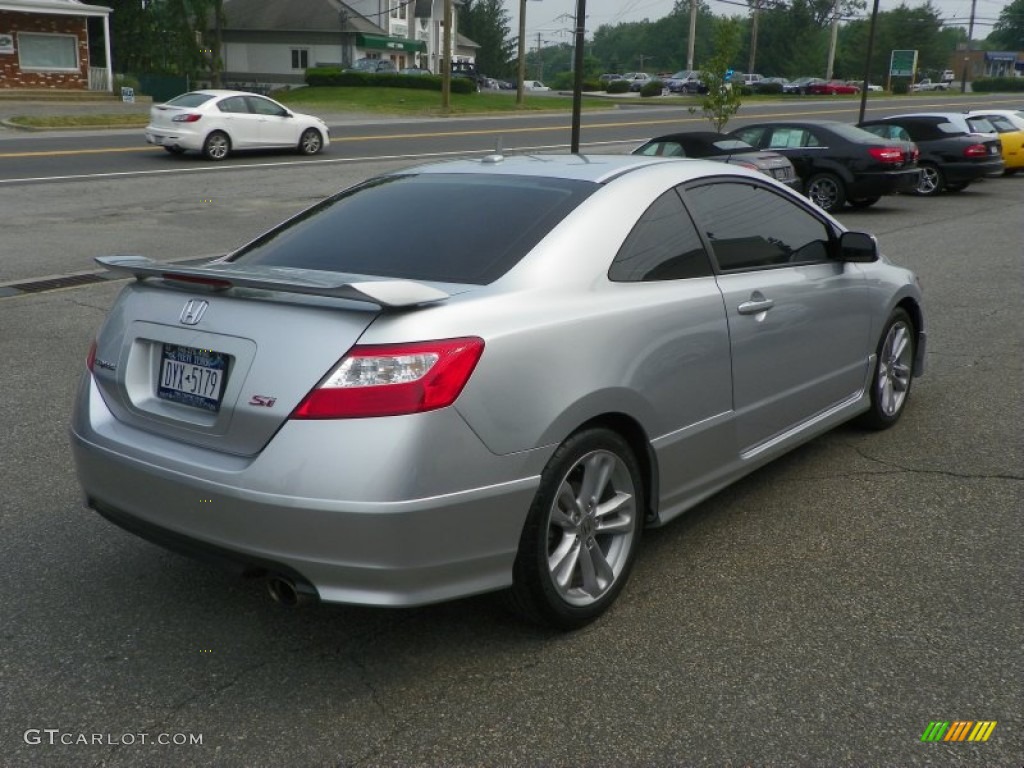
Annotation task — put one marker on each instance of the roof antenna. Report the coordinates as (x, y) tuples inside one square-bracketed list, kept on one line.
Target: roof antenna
[(497, 156)]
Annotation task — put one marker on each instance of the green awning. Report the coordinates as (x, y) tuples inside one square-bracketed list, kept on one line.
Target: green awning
[(380, 42)]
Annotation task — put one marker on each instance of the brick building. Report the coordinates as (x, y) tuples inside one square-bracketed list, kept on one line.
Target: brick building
[(45, 44)]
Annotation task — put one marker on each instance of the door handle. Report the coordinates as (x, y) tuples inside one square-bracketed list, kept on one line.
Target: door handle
[(755, 306)]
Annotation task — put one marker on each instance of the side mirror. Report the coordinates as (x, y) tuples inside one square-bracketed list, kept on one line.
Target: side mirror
[(858, 247)]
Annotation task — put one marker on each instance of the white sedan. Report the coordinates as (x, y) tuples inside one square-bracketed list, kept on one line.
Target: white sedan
[(217, 122), (534, 85)]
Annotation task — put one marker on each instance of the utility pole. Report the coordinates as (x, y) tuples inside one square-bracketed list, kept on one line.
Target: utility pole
[(540, 60), (967, 53), (867, 62), (693, 34), (446, 65), (753, 36), (832, 44)]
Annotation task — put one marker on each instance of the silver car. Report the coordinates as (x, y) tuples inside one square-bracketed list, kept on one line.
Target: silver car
[(498, 390)]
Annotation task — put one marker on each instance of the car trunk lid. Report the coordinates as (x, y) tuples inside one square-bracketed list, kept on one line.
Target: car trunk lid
[(220, 356)]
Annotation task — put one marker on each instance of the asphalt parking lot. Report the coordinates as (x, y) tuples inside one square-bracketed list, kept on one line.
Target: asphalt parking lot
[(821, 612)]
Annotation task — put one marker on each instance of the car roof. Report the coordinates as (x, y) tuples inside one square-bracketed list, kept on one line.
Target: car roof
[(596, 168), (704, 138), (798, 123)]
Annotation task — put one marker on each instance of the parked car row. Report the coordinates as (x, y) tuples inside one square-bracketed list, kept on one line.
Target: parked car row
[(922, 153), (837, 164)]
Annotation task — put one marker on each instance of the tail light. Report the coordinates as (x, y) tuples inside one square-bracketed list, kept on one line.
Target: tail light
[(90, 359), (886, 154), (976, 150), (393, 379), (190, 117)]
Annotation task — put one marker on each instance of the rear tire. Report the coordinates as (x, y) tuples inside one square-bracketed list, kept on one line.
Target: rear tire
[(582, 532), (932, 180), (893, 374), (217, 146), (826, 191)]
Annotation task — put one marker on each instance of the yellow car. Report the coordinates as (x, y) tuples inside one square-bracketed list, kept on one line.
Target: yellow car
[(1009, 124)]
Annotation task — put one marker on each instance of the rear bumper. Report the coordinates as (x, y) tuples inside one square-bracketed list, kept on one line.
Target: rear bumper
[(166, 138), (958, 173), (884, 183), (372, 540)]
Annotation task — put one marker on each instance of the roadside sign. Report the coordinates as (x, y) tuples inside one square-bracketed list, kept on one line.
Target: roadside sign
[(128, 95), (903, 64)]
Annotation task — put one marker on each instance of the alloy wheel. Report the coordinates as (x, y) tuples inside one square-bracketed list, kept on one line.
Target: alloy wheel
[(895, 366), (591, 526)]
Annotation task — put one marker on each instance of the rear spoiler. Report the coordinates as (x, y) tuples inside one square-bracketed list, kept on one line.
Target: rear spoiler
[(383, 293)]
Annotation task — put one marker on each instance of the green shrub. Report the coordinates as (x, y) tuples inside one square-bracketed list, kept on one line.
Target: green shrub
[(593, 85), (901, 87), (618, 86), (768, 88), (998, 84), (652, 88), (334, 76), (126, 81)]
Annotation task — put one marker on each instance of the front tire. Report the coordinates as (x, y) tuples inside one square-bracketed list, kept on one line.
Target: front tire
[(826, 191), (893, 374), (217, 146), (582, 532), (311, 142)]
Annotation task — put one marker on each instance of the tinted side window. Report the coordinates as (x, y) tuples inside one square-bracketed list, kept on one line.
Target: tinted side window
[(752, 227), (752, 136), (664, 245), (922, 130), (661, 149)]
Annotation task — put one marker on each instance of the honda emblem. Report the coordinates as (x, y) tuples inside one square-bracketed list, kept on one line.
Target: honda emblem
[(193, 311)]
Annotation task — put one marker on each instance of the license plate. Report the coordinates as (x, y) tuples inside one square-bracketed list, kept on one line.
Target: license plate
[(193, 377), (993, 150)]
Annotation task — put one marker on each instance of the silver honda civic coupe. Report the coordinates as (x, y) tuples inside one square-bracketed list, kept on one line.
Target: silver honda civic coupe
[(486, 375)]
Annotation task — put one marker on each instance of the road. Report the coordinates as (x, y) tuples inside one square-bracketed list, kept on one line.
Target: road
[(819, 613)]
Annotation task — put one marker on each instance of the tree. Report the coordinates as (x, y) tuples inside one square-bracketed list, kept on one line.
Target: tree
[(1008, 32), (487, 22), (722, 100), (904, 28), (160, 36)]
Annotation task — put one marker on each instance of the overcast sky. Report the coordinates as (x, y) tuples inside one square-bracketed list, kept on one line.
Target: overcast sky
[(553, 18)]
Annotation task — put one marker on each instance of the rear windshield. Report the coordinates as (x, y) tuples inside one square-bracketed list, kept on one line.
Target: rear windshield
[(980, 125), (189, 100), (444, 227)]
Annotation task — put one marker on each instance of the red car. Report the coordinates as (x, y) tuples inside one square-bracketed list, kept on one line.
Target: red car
[(831, 88)]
